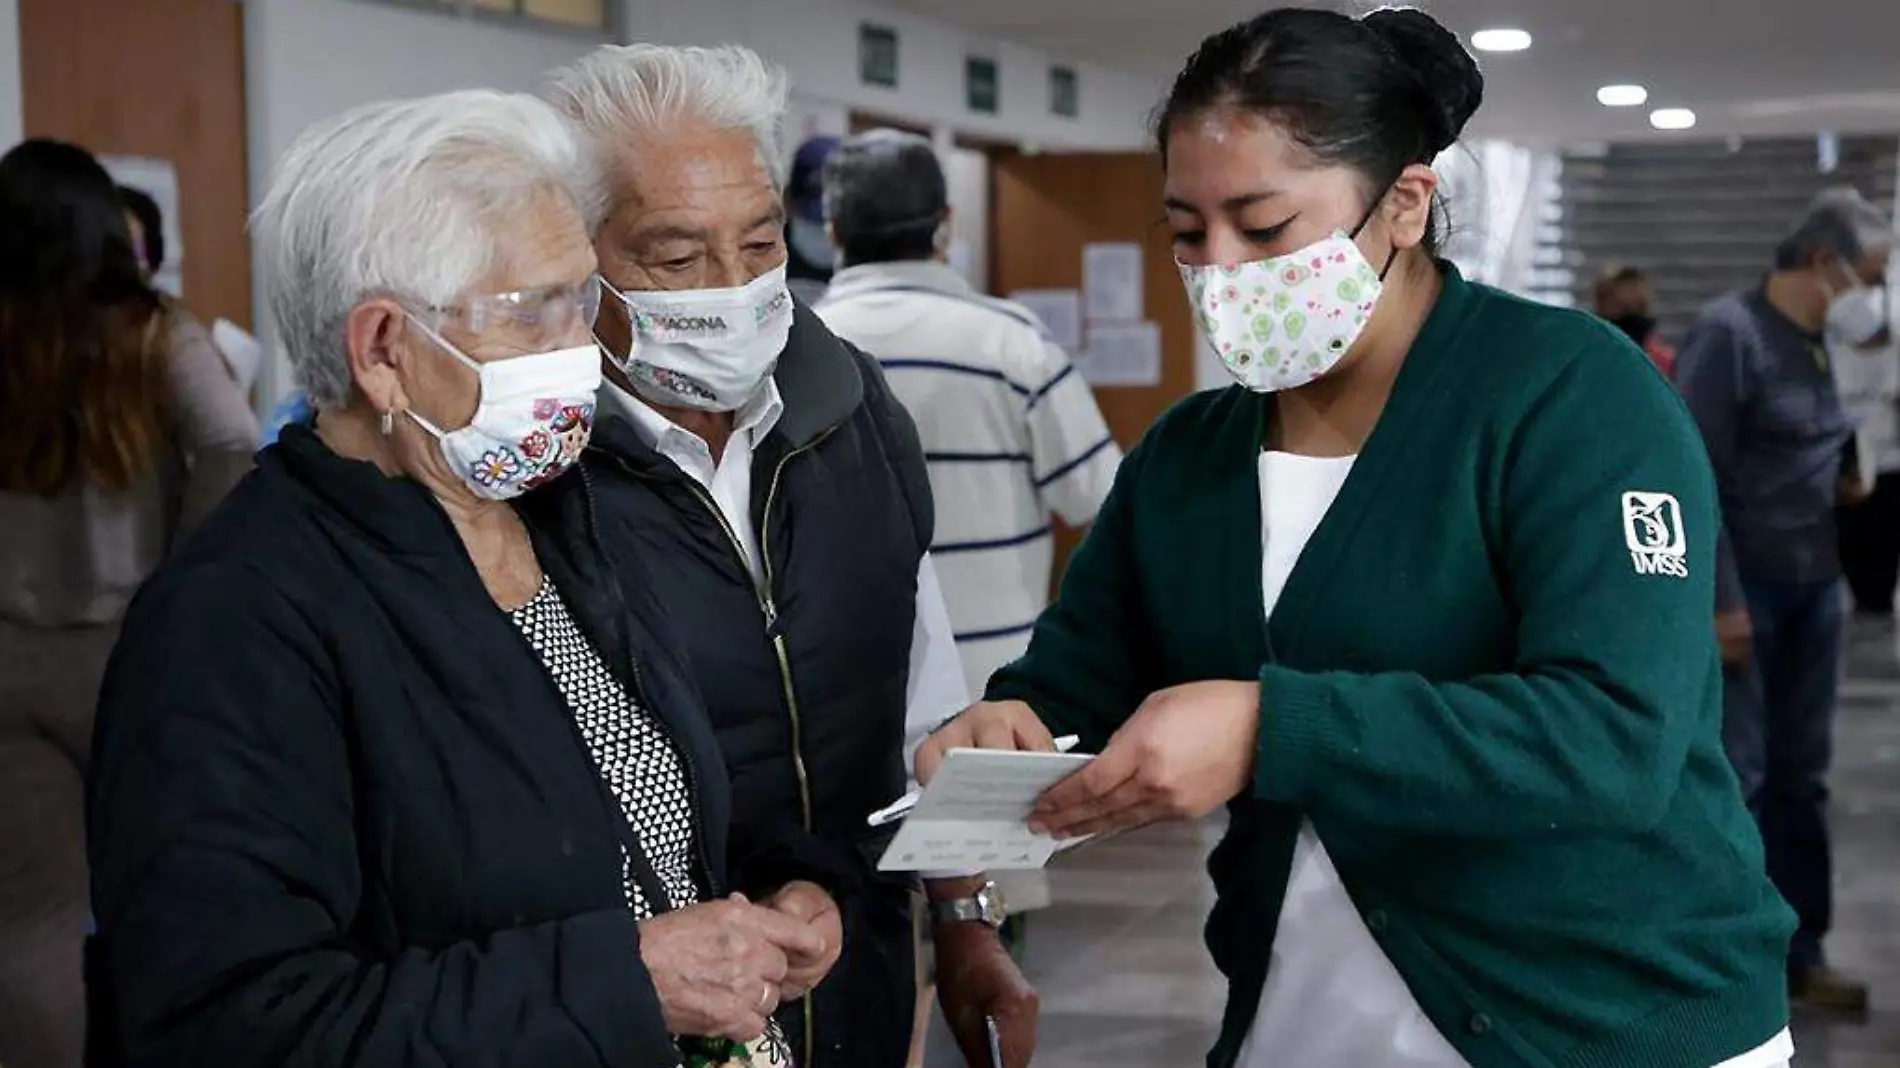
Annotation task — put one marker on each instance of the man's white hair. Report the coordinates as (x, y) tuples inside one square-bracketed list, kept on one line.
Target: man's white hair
[(622, 90), (402, 199)]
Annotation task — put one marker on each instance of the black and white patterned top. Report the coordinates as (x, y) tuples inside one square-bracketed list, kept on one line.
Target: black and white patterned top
[(631, 751), (646, 774)]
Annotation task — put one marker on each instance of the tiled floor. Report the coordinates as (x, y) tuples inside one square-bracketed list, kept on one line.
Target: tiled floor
[(1125, 981)]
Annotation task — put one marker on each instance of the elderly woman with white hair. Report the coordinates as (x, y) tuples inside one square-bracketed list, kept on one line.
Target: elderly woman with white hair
[(392, 768), (764, 472)]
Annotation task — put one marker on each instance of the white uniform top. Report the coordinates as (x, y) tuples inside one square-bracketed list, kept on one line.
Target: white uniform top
[(1011, 432), (1332, 998)]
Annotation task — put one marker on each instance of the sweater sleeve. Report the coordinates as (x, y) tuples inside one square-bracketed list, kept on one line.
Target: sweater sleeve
[(216, 430), (1089, 661), (226, 875), (1606, 553)]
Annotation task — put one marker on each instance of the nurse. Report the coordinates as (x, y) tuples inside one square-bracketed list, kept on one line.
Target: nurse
[(1423, 600)]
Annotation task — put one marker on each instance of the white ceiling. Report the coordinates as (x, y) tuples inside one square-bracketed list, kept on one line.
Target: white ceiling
[(1745, 66)]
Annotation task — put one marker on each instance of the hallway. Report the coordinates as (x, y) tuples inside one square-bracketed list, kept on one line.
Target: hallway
[(1126, 983)]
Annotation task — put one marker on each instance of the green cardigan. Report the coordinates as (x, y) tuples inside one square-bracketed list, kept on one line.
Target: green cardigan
[(1491, 683)]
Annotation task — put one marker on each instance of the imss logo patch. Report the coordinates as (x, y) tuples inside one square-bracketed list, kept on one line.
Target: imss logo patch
[(1652, 526)]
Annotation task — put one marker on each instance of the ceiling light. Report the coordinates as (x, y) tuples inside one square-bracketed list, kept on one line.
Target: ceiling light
[(1672, 119), (1622, 96), (1500, 40)]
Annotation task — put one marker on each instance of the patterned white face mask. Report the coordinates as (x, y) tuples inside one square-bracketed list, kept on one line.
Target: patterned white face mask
[(1280, 323)]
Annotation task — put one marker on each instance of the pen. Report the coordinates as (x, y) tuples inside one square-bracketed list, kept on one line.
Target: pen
[(996, 1042), (899, 808)]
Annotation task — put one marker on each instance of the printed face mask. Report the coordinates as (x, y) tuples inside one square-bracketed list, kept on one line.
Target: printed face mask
[(707, 349), (1282, 322), (533, 418)]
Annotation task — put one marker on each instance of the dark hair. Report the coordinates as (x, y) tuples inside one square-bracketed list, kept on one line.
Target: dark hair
[(151, 220), (885, 196), (83, 384), (1376, 94)]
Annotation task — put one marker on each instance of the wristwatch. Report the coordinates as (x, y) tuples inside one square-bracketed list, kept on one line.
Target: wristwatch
[(986, 906)]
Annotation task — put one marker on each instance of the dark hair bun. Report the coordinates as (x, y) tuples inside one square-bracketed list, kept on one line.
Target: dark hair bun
[(1447, 74)]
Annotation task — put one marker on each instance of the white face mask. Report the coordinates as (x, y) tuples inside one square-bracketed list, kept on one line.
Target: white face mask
[(811, 242), (706, 349), (1856, 315), (532, 420), (1280, 323)]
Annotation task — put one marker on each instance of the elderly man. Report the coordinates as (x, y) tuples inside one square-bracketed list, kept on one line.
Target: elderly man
[(762, 470), (1756, 373)]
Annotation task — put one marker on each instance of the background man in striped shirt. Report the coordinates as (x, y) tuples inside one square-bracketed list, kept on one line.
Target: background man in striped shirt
[(1011, 433)]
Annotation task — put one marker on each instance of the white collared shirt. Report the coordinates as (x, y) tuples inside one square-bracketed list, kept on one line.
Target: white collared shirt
[(936, 690)]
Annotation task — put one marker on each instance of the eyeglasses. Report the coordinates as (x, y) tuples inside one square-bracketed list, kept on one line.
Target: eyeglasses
[(544, 312)]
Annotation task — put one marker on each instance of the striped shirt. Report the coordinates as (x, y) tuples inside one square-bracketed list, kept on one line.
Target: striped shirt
[(1011, 432)]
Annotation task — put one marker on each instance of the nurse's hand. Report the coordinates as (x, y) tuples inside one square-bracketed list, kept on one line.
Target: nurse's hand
[(1185, 752), (1010, 725)]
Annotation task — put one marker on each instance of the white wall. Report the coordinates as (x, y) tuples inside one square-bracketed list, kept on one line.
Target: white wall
[(306, 60), (10, 119), (817, 42)]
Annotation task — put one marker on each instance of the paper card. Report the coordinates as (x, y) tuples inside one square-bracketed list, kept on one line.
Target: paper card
[(1060, 311), (972, 816), (1111, 282), (1127, 355)]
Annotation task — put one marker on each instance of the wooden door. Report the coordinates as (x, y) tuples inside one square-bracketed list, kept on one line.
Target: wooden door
[(162, 79), (1043, 210)]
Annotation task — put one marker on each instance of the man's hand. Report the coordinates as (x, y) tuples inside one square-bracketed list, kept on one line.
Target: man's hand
[(808, 904), (1008, 725), (1735, 633), (1185, 752), (975, 979), (719, 967)]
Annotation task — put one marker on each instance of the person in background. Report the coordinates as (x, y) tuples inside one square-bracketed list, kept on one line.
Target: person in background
[(1423, 599), (1868, 377), (1756, 372), (147, 224), (1623, 297), (117, 436), (294, 408), (392, 768), (1011, 432), (775, 487), (809, 260)]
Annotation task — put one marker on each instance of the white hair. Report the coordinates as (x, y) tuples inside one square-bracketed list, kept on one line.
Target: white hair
[(402, 199), (642, 89)]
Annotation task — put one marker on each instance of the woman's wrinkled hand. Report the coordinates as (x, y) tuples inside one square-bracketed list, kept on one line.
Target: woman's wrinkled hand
[(720, 967), (808, 904)]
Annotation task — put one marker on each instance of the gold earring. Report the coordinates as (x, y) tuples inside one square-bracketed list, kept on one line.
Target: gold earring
[(389, 422)]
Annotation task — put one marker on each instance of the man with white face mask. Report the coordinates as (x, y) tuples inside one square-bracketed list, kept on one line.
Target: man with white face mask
[(1756, 372), (762, 471)]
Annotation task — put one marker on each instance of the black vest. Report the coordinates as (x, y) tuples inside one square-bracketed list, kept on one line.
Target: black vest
[(804, 675)]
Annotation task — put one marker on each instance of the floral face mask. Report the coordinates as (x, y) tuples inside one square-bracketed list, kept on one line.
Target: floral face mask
[(1280, 323), (535, 416)]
